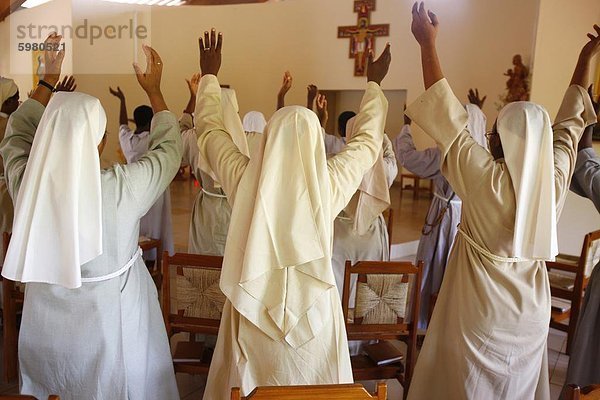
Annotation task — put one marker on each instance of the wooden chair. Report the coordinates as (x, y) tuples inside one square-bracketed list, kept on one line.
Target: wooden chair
[(155, 269), (25, 397), (197, 308), (416, 186), (388, 215), (569, 276), (382, 299), (12, 304), (574, 392), (329, 392)]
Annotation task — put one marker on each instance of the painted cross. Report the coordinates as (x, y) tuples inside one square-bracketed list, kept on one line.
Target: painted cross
[(362, 36)]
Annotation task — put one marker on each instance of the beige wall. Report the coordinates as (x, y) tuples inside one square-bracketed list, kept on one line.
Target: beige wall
[(561, 32), (262, 41)]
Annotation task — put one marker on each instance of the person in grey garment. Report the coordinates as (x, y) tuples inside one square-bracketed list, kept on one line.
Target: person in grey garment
[(103, 336), (584, 363), (443, 217)]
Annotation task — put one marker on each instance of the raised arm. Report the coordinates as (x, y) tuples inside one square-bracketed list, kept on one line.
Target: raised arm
[(424, 163), (575, 114), (286, 85), (311, 94), (218, 152), (347, 168), (148, 177), (192, 83), (20, 131), (123, 119), (424, 27), (322, 111)]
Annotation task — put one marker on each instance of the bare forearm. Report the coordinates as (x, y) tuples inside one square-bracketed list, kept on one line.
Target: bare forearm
[(123, 120), (582, 71), (280, 101), (42, 93), (191, 105), (432, 70), (157, 101)]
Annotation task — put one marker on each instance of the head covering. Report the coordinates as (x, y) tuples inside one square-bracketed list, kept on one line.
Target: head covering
[(8, 89), (476, 124), (373, 196), (233, 126), (277, 265), (254, 121), (58, 212), (526, 135)]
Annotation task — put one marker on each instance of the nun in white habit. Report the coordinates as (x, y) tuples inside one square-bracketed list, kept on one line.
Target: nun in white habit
[(487, 336), (360, 231), (282, 323), (443, 217), (211, 212), (254, 125), (92, 326)]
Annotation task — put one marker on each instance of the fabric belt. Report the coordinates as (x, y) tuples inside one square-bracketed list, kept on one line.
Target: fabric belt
[(341, 218), (218, 196), (129, 264), (485, 252), (445, 200)]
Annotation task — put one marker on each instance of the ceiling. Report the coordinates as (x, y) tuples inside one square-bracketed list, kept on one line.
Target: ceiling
[(8, 6)]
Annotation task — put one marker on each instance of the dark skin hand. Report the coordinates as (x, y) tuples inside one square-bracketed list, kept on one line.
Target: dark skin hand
[(586, 139), (286, 85), (123, 120), (53, 65), (322, 110), (66, 85), (210, 52), (424, 27), (193, 88), (474, 98), (377, 70), (311, 95), (150, 79)]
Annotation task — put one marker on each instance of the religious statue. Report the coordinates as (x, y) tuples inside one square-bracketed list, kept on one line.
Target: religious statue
[(362, 36), (517, 83)]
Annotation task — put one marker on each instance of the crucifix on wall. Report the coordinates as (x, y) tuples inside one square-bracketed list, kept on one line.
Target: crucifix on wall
[(362, 36)]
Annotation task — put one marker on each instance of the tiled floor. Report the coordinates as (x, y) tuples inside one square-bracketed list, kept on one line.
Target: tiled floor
[(409, 215)]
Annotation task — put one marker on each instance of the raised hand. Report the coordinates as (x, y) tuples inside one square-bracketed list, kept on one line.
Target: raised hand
[(193, 84), (474, 98), (210, 52), (322, 112), (589, 50), (150, 79), (311, 95), (117, 93), (424, 25), (66, 85), (286, 85), (53, 58), (377, 70)]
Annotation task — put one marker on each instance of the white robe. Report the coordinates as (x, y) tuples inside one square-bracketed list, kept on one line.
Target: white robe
[(211, 212), (104, 340), (438, 233), (157, 223), (245, 356), (488, 332)]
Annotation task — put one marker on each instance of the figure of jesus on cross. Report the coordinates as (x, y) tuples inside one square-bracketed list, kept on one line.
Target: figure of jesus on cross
[(362, 36)]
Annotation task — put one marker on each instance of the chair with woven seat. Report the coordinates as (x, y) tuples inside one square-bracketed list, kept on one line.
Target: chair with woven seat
[(382, 312), (574, 392), (569, 276), (12, 305), (193, 304), (328, 392)]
